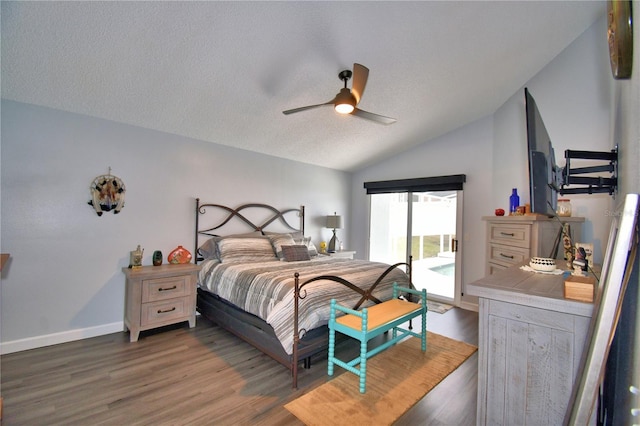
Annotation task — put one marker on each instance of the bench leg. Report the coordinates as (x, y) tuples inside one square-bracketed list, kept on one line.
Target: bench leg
[(332, 342), (363, 366), (423, 334)]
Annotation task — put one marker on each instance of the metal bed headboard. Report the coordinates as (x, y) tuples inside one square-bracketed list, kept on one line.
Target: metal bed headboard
[(272, 215)]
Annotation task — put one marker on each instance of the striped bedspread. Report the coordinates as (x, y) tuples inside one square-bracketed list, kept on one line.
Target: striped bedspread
[(266, 289)]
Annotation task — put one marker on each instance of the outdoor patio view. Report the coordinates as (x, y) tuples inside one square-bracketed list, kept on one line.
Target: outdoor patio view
[(433, 227)]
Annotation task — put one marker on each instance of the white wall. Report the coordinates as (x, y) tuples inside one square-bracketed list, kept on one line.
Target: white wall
[(573, 93), (64, 280), (625, 113), (463, 151)]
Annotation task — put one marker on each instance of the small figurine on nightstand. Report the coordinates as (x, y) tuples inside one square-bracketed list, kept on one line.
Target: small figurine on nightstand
[(323, 247), (135, 258), (580, 263)]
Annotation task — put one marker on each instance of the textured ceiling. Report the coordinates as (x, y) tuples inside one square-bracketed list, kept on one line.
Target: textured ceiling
[(224, 71)]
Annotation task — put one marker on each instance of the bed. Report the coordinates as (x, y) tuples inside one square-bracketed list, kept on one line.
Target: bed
[(265, 282)]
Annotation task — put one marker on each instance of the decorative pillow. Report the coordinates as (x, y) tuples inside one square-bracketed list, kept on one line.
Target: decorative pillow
[(296, 235), (295, 253), (245, 250), (209, 250), (313, 251), (278, 240)]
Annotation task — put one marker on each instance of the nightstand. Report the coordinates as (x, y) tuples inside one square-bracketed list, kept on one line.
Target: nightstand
[(156, 296), (344, 254)]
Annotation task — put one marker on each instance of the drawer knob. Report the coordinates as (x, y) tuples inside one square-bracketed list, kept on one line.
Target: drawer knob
[(160, 311), (506, 255), (167, 289), (507, 234)]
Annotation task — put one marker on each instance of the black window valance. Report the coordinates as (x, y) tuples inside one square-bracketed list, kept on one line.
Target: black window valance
[(436, 183)]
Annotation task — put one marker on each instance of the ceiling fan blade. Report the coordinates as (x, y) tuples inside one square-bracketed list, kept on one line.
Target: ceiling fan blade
[(360, 76), (304, 108), (373, 117)]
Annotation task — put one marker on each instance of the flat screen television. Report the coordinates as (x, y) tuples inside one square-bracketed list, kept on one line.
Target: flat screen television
[(545, 178)]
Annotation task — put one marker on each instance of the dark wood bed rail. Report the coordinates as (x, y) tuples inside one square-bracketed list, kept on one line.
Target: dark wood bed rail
[(301, 293)]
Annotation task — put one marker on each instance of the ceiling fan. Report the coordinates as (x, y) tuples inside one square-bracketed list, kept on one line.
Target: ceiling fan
[(345, 102)]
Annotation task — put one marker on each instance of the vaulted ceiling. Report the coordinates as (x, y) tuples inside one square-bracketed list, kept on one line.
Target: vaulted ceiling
[(223, 72)]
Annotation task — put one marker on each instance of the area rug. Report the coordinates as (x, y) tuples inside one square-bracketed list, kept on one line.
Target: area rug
[(396, 379), (438, 307)]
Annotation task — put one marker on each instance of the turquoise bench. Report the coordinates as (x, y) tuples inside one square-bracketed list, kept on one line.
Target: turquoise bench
[(370, 322)]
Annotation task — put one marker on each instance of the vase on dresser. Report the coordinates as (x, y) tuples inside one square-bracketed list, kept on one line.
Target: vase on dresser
[(157, 258), (179, 255)]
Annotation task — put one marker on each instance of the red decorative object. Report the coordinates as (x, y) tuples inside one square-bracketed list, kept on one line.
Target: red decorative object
[(499, 212), (179, 255)]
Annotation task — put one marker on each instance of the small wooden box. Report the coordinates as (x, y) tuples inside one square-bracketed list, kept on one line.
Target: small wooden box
[(580, 288)]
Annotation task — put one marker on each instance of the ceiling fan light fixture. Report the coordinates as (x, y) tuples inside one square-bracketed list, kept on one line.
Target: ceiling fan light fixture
[(345, 103), (344, 108)]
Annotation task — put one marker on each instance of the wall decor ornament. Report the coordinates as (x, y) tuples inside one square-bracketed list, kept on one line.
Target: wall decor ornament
[(107, 193), (620, 37)]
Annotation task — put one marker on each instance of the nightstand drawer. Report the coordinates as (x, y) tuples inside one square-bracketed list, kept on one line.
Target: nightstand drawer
[(507, 255), (165, 288), (158, 312), (510, 234)]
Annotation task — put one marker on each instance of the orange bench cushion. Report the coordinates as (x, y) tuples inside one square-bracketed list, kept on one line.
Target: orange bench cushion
[(380, 314)]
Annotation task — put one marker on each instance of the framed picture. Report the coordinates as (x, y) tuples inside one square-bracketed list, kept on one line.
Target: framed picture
[(588, 248), (616, 268)]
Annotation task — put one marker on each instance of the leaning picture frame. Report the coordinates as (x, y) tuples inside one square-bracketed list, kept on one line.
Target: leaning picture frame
[(616, 268)]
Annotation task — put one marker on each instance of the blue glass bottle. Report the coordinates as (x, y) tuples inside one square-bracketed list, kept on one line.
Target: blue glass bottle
[(514, 201)]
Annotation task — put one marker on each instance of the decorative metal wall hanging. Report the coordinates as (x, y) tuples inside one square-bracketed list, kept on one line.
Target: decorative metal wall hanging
[(107, 193)]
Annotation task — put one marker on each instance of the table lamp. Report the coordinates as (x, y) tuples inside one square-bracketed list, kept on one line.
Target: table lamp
[(334, 222)]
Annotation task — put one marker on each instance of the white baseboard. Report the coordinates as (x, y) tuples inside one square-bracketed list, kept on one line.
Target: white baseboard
[(469, 306), (62, 337)]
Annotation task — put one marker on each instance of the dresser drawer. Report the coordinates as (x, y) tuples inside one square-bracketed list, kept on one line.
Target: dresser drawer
[(166, 310), (492, 268), (165, 288), (532, 316), (507, 255), (518, 235)]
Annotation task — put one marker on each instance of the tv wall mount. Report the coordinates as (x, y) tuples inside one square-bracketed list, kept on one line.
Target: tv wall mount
[(601, 162)]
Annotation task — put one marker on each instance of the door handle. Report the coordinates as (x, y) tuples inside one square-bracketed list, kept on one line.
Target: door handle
[(454, 245)]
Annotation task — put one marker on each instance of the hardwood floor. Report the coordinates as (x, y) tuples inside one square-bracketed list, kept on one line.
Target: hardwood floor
[(203, 375)]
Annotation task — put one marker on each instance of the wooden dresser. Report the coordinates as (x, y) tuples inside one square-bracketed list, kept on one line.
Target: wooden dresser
[(159, 295), (531, 340), (515, 239)]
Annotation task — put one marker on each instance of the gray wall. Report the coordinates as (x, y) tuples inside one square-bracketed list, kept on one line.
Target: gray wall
[(625, 114), (463, 151), (575, 96), (64, 280)]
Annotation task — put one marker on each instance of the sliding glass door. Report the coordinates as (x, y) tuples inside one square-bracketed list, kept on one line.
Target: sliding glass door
[(425, 225), (388, 228)]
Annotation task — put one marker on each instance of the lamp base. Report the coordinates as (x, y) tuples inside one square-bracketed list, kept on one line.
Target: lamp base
[(332, 243)]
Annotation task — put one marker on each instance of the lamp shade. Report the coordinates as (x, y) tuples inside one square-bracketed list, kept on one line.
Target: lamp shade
[(334, 221)]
